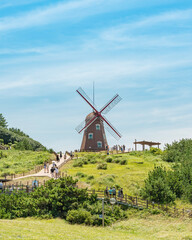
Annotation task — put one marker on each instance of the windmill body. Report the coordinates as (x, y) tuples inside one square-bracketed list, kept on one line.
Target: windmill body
[(94, 125), (94, 138)]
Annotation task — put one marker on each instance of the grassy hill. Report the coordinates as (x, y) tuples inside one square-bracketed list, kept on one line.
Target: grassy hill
[(130, 176), (16, 161), (19, 140)]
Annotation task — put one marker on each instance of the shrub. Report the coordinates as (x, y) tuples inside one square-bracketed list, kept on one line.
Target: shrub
[(116, 160), (155, 151), (109, 159), (93, 161), (79, 216), (90, 177), (123, 162), (157, 188), (81, 175), (102, 166), (78, 163)]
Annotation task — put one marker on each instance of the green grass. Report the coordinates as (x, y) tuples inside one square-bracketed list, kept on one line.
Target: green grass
[(141, 228), (130, 177), (15, 161)]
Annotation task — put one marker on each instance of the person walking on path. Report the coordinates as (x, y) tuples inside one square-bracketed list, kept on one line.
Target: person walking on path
[(47, 166), (106, 192), (56, 172), (52, 171)]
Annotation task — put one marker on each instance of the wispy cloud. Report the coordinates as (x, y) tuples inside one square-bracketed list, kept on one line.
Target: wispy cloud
[(71, 10), (131, 32)]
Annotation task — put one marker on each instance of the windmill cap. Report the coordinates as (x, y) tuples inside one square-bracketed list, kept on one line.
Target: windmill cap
[(89, 116)]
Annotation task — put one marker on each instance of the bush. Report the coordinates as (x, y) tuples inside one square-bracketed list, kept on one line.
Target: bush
[(155, 151), (109, 159), (78, 163), (79, 216), (90, 177), (116, 160), (157, 188), (102, 166), (81, 175), (178, 151), (123, 162)]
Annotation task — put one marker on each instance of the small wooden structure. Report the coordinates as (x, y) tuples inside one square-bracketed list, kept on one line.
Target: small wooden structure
[(143, 143)]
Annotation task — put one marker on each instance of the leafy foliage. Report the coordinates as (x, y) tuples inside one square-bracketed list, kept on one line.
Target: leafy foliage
[(178, 151), (157, 187), (18, 131), (3, 122), (58, 198), (167, 184), (19, 141), (102, 166)]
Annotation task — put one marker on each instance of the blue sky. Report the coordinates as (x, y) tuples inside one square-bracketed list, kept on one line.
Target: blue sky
[(139, 49)]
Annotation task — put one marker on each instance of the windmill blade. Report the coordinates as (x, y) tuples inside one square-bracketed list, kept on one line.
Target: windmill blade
[(86, 98), (111, 104), (111, 129), (85, 124)]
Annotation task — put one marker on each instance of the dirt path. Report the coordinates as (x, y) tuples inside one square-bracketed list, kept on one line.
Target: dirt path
[(42, 173)]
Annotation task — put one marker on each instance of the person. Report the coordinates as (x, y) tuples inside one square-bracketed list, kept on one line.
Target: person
[(119, 193), (60, 154), (35, 183), (106, 192), (122, 193), (56, 172), (52, 171), (110, 192), (1, 186), (58, 158), (114, 192), (45, 166)]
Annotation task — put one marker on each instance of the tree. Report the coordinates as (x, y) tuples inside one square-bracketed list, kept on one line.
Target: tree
[(157, 187), (3, 122)]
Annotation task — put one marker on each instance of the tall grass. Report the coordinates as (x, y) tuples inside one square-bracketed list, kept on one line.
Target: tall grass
[(15, 161)]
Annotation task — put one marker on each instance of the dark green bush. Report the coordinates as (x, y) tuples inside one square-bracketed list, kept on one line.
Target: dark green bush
[(79, 216), (116, 160), (123, 162), (109, 159), (81, 175), (157, 187), (90, 177)]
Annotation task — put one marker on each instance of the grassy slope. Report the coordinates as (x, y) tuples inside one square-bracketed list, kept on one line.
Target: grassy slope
[(131, 176), (21, 161), (150, 228)]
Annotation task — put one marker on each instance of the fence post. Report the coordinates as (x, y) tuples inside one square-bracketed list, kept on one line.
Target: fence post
[(136, 201), (126, 198)]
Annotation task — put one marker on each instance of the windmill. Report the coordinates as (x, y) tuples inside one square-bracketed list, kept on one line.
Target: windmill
[(94, 125)]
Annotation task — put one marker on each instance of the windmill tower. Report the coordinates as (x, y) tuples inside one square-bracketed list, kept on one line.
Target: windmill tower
[(94, 125)]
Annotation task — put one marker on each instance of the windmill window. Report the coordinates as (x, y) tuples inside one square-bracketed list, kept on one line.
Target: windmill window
[(90, 136), (99, 144), (97, 126)]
